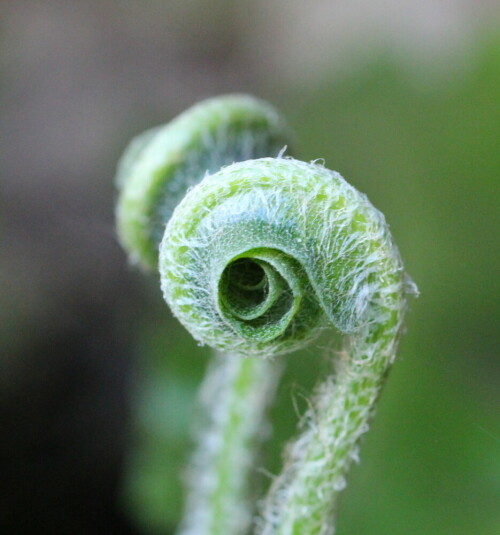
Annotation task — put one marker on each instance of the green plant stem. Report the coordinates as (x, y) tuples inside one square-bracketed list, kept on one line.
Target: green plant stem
[(303, 497), (235, 394)]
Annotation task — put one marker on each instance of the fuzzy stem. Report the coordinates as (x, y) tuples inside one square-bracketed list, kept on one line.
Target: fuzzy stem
[(235, 394), (303, 497)]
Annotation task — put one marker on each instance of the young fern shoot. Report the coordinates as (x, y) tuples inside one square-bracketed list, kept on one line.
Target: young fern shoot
[(156, 170), (327, 258), (255, 261)]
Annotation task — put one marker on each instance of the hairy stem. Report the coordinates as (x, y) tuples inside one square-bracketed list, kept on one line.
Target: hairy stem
[(235, 395), (302, 499)]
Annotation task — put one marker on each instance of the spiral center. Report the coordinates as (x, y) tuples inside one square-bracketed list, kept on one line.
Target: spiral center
[(259, 293), (247, 283)]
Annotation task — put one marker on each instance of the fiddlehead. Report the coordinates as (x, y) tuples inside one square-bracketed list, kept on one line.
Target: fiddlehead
[(259, 257), (153, 175), (256, 260), (160, 165), (265, 252)]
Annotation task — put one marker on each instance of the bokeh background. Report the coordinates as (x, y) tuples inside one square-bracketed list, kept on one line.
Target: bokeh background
[(98, 381)]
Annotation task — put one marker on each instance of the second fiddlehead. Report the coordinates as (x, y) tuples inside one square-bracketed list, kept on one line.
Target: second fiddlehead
[(160, 165), (154, 174)]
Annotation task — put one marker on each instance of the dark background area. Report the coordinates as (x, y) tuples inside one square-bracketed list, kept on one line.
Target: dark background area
[(98, 382)]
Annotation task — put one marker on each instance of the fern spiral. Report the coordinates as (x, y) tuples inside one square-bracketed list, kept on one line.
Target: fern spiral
[(256, 260)]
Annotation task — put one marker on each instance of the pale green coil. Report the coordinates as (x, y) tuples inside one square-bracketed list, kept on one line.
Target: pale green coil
[(263, 254), (159, 165)]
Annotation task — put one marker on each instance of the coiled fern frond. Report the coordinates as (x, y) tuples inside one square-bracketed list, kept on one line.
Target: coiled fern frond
[(255, 260)]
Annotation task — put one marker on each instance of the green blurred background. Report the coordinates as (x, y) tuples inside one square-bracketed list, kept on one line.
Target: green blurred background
[(98, 383)]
